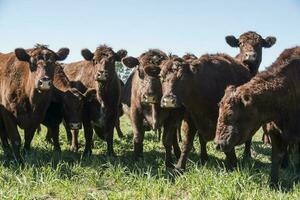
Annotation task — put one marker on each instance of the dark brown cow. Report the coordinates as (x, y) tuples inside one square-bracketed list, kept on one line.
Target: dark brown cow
[(67, 104), (251, 45), (199, 86), (26, 89), (272, 95), (98, 71), (141, 102)]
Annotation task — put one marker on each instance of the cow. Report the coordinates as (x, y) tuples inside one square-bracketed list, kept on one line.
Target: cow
[(66, 104), (270, 96), (98, 71), (26, 88), (141, 102), (246, 63)]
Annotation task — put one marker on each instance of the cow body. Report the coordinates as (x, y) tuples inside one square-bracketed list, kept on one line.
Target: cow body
[(271, 95), (98, 72), (26, 90), (141, 102)]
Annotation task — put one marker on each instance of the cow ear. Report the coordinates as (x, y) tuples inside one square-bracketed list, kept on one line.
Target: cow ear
[(246, 100), (22, 55), (90, 94), (121, 54), (269, 41), (62, 54), (77, 93), (141, 72), (87, 54), (152, 71), (232, 41), (130, 62), (192, 68)]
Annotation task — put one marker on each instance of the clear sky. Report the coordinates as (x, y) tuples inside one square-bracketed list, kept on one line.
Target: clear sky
[(176, 26)]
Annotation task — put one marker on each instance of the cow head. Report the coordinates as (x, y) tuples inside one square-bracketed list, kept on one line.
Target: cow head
[(42, 63), (147, 69), (174, 72), (104, 60), (251, 44), (238, 119), (72, 108)]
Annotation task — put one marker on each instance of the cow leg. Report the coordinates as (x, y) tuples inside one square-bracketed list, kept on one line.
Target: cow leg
[(186, 147), (278, 150), (203, 151), (168, 136), (109, 141), (13, 134), (179, 132), (49, 136), (231, 160), (68, 132), (74, 144), (28, 135), (55, 136), (247, 151), (138, 133), (5, 144), (176, 147), (88, 134), (158, 133), (119, 131)]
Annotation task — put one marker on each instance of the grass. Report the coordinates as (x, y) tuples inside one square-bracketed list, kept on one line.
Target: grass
[(66, 176)]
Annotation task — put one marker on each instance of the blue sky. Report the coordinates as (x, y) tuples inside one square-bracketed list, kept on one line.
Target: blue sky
[(174, 26)]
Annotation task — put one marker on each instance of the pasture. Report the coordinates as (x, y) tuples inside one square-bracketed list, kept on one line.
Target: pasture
[(47, 175)]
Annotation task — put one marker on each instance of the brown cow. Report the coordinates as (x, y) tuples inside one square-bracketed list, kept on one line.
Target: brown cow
[(26, 89), (251, 45), (141, 102), (66, 103), (98, 71), (199, 86), (272, 95)]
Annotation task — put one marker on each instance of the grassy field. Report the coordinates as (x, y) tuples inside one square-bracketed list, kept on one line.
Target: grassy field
[(49, 176)]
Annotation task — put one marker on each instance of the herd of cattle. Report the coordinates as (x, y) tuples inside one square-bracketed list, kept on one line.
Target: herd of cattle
[(216, 96)]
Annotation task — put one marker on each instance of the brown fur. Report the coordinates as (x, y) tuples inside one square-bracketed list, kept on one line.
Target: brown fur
[(83, 75), (22, 102), (205, 80), (144, 83), (271, 95)]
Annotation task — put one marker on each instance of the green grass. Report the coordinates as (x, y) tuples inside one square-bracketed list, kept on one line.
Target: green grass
[(49, 176)]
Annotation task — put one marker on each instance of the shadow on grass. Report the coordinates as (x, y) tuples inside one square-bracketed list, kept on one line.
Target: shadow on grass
[(152, 164)]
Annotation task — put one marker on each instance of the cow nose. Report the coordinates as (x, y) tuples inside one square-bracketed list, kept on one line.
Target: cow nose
[(44, 83), (169, 101), (250, 56), (75, 126), (149, 98), (102, 75)]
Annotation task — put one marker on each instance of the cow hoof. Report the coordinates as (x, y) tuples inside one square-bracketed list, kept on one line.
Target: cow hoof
[(87, 154), (111, 154), (178, 171), (74, 149), (26, 151), (203, 159)]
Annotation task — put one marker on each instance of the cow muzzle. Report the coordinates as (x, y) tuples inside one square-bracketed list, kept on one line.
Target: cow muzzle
[(75, 126), (44, 84), (146, 98), (102, 75), (169, 101), (99, 122), (250, 56)]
